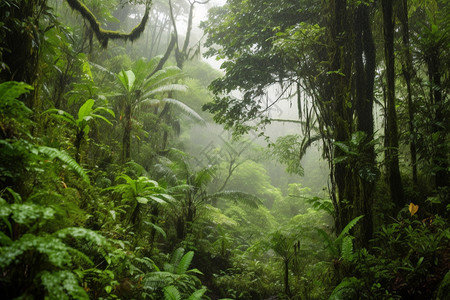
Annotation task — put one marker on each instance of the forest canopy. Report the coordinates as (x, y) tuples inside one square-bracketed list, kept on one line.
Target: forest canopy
[(238, 149)]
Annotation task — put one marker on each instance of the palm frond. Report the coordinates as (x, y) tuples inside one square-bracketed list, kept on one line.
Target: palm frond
[(172, 87), (162, 77), (101, 68), (185, 109), (66, 159)]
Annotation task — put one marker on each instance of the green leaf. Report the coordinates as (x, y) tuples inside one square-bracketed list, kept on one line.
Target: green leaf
[(86, 109), (62, 284), (197, 295), (142, 200), (171, 293), (347, 248), (347, 228), (176, 257), (184, 263)]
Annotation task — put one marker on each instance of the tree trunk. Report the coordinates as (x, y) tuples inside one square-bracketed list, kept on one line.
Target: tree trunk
[(287, 290), (407, 69), (126, 142), (342, 120), (439, 124), (20, 45), (364, 76), (391, 134)]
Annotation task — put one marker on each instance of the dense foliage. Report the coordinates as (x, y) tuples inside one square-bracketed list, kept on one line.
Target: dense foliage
[(328, 180)]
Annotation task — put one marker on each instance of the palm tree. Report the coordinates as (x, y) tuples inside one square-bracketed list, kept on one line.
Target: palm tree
[(140, 87), (189, 188)]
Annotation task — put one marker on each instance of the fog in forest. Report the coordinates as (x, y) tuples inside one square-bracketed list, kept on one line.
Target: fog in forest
[(224, 149)]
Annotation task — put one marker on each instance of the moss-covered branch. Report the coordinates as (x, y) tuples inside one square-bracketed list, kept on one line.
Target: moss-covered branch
[(104, 35)]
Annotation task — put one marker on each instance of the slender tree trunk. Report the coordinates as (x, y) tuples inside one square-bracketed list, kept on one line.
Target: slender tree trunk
[(77, 144), (287, 289), (342, 120), (364, 76), (126, 142), (392, 162), (439, 125), (407, 69)]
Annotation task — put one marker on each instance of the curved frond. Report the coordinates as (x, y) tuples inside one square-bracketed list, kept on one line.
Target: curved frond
[(162, 77), (347, 228), (171, 293), (176, 256), (66, 159), (174, 87), (184, 263), (185, 109), (197, 295)]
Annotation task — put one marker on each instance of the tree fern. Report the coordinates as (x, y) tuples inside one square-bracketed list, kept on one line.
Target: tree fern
[(53, 153)]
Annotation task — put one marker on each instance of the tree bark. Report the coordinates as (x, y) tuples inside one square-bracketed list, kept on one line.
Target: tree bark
[(439, 125), (407, 69), (365, 76), (391, 134)]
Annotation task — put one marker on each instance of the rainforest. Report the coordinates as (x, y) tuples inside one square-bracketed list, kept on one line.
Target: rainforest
[(224, 149)]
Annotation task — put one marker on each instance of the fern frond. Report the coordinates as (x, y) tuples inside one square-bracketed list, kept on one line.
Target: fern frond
[(176, 256), (347, 248), (66, 159), (171, 293), (197, 295), (329, 242), (184, 263), (347, 228)]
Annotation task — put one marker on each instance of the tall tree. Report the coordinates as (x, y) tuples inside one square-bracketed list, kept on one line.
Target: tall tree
[(326, 50), (391, 131), (408, 73)]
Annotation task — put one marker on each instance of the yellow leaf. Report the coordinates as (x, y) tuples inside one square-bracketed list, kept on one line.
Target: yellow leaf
[(413, 208)]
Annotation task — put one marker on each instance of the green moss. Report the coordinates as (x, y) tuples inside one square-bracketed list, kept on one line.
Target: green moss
[(104, 35)]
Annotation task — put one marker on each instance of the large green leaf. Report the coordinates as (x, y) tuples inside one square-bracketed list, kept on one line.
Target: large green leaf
[(85, 109)]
